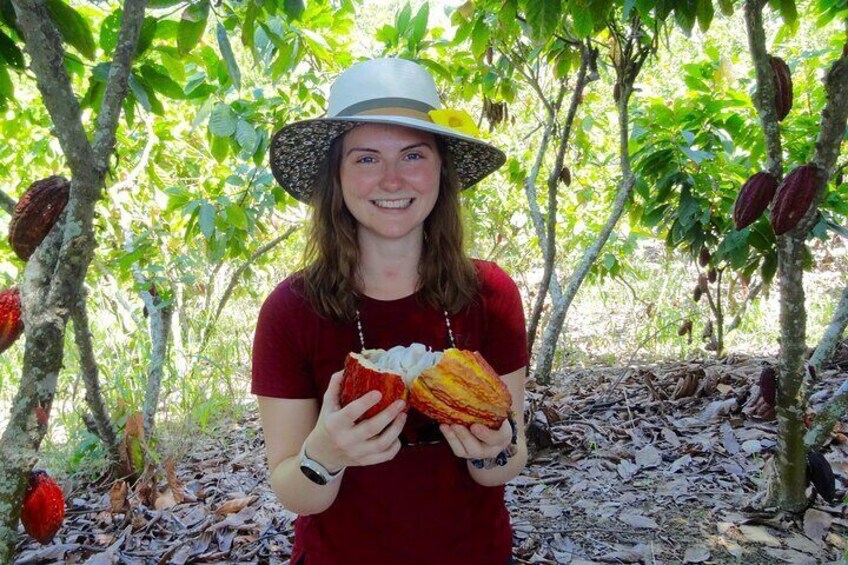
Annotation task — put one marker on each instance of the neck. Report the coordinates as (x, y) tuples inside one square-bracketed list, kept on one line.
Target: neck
[(389, 269)]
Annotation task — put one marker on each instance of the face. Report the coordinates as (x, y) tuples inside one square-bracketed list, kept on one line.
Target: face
[(390, 180)]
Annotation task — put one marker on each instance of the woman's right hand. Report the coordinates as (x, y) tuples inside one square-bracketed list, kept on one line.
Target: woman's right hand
[(338, 440)]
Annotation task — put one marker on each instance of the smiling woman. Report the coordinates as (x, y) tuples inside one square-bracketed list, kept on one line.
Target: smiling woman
[(385, 267)]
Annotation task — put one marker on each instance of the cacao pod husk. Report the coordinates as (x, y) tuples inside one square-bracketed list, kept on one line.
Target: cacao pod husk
[(768, 385), (685, 328), (704, 257), (820, 474), (35, 214), (782, 86), (462, 388), (712, 275), (794, 197), (362, 374), (753, 198), (11, 321)]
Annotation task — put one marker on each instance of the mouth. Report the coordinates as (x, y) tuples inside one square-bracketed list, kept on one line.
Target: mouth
[(399, 204)]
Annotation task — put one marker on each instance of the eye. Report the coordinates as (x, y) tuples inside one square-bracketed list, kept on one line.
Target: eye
[(414, 156), (366, 159)]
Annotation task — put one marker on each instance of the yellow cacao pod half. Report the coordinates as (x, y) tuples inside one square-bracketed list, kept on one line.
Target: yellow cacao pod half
[(462, 388)]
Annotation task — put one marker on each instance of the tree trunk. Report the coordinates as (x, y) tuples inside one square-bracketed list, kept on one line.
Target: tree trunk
[(54, 276)]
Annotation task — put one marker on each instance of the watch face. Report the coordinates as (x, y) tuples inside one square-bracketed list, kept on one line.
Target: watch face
[(313, 475)]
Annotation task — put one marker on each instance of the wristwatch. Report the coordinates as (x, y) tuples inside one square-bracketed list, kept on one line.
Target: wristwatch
[(315, 471)]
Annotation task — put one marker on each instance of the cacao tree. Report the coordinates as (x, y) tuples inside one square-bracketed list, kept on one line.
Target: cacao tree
[(794, 373)]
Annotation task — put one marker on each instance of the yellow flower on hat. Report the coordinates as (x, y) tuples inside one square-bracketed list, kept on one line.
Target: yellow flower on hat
[(459, 120)]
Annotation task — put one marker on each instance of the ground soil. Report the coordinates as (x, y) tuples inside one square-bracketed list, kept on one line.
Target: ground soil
[(651, 464)]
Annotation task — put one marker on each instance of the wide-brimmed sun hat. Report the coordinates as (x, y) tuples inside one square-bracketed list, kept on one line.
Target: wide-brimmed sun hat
[(381, 91)]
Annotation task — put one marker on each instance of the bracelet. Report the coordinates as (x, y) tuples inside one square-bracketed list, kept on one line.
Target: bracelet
[(501, 458)]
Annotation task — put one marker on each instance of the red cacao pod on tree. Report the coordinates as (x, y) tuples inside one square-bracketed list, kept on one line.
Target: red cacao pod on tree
[(704, 257), (11, 322), (565, 176), (35, 214), (794, 197), (43, 507), (782, 86), (753, 198), (451, 387)]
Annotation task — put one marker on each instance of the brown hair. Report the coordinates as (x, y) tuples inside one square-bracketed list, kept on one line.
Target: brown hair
[(448, 278)]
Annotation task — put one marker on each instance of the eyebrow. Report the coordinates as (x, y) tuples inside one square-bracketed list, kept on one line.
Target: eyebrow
[(369, 150)]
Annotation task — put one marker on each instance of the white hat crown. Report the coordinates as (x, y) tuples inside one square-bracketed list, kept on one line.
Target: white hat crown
[(382, 83)]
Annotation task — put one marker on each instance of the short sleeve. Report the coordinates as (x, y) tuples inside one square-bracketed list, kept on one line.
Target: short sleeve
[(505, 340), (280, 360)]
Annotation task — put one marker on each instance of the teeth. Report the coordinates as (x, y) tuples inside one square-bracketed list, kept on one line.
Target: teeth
[(393, 203)]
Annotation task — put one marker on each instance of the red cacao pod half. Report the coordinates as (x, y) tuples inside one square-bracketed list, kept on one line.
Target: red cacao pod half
[(11, 323), (43, 509), (794, 197), (782, 86), (753, 198), (35, 214), (451, 387)]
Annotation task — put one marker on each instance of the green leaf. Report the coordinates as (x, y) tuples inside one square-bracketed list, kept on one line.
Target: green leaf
[(145, 95), (236, 216), (7, 89), (684, 14), (10, 52), (543, 17), (72, 27), (479, 39), (788, 10), (726, 7), (206, 219), (145, 38), (403, 19), (161, 82), (293, 9), (246, 136), (163, 3), (192, 25), (220, 147), (705, 13), (419, 24), (227, 54), (769, 267), (222, 122)]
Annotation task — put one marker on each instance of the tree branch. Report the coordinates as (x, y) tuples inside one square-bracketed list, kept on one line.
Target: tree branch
[(7, 203), (832, 333)]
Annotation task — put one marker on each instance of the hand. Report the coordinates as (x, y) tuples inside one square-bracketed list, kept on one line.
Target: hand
[(338, 440), (477, 441)]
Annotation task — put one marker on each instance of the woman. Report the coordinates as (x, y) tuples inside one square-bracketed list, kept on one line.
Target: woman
[(385, 267)]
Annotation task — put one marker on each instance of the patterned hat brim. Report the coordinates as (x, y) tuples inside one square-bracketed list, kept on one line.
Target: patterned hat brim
[(299, 149)]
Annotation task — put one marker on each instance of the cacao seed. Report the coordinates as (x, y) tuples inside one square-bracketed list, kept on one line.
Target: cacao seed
[(35, 214), (11, 322), (794, 197), (820, 474), (753, 198), (782, 86), (768, 385)]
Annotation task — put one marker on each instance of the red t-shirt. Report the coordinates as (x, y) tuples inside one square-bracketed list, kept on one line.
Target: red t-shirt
[(422, 507)]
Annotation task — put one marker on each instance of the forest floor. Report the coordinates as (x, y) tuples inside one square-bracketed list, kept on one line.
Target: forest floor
[(649, 464)]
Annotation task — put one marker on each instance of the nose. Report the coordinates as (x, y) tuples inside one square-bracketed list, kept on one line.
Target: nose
[(391, 180)]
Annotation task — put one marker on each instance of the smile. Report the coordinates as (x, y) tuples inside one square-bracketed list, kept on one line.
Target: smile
[(393, 204)]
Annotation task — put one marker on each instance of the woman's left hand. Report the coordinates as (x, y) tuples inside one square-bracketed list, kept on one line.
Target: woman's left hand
[(477, 441)]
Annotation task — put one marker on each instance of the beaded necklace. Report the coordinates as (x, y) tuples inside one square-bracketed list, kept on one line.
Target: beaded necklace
[(362, 335)]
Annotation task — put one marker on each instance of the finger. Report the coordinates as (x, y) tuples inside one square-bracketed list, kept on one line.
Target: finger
[(490, 437), (383, 456), (356, 409), (374, 425), (334, 388), (471, 444), (453, 441), (385, 440)]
